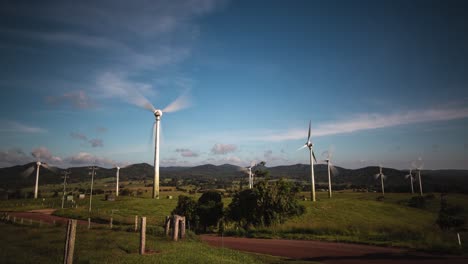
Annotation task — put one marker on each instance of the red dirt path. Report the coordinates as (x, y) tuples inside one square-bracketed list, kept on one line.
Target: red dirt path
[(327, 252)]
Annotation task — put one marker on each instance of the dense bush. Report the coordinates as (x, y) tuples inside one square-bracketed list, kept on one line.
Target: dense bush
[(450, 216), (265, 204), (417, 202), (187, 206), (209, 209)]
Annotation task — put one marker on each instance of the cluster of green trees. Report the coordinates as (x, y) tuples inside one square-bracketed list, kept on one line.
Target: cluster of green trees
[(267, 203)]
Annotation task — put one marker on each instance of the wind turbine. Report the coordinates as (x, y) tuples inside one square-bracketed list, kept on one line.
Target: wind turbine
[(330, 168), (117, 181), (29, 170), (252, 164), (419, 166), (310, 145), (180, 103), (411, 178), (382, 177)]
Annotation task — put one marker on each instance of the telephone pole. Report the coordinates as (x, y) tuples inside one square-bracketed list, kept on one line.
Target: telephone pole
[(92, 173), (65, 176)]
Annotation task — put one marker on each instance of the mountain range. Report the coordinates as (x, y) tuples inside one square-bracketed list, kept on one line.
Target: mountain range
[(433, 180)]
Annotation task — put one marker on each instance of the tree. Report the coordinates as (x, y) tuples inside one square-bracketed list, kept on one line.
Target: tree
[(450, 217), (187, 206), (266, 204), (209, 209)]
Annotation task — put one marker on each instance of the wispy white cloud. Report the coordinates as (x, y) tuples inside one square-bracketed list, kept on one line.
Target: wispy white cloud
[(362, 122), (85, 158), (94, 142), (221, 149), (43, 154), (187, 153), (17, 127), (77, 99)]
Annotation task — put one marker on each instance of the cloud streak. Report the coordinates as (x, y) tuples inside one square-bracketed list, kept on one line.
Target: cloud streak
[(221, 149), (363, 122), (77, 99), (17, 127), (94, 142)]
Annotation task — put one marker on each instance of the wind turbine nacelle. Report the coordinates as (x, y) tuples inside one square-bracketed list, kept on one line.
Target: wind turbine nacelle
[(157, 113), (38, 163), (118, 168)]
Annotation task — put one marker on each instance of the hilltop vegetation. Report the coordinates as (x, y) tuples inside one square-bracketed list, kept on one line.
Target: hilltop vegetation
[(230, 177)]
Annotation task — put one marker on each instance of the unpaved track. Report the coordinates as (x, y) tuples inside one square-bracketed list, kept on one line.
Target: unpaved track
[(327, 252)]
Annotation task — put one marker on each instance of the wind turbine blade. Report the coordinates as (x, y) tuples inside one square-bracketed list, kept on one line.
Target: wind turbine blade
[(301, 147), (334, 170), (28, 171), (252, 164), (376, 176), (52, 169), (308, 136), (182, 102), (313, 154), (149, 106)]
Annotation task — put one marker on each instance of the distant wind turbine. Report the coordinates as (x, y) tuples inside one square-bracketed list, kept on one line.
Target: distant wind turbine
[(411, 178), (330, 168), (382, 177), (419, 166), (29, 170), (180, 103), (117, 179), (310, 145), (252, 164)]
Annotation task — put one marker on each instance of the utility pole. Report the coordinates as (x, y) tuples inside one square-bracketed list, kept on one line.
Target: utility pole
[(65, 176), (92, 173)]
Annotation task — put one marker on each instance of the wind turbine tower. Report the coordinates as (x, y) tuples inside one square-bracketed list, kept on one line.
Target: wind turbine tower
[(156, 130), (29, 170), (117, 181), (382, 176), (310, 145), (410, 177)]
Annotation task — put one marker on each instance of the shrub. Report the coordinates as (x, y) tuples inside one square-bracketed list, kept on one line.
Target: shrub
[(417, 202)]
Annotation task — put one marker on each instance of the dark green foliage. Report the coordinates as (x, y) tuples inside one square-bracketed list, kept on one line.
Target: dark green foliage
[(187, 206), (417, 202), (266, 204), (450, 216), (209, 209)]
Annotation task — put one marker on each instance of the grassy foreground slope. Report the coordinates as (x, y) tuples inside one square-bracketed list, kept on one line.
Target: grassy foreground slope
[(25, 244), (359, 217)]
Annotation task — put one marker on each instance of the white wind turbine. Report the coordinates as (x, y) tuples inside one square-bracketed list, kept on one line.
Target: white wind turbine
[(29, 170), (180, 103), (117, 172), (310, 145), (411, 178), (252, 164), (419, 166), (330, 168), (382, 177)]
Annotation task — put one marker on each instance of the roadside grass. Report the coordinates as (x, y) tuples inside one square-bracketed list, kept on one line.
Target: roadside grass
[(25, 244), (347, 217), (360, 218)]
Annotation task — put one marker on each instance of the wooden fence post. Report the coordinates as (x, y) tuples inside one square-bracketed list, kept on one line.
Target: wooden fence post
[(142, 235), (70, 242), (136, 223), (21, 220), (175, 226), (167, 225), (110, 222), (182, 227), (89, 222)]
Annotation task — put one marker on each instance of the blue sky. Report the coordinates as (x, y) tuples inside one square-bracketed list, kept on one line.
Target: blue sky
[(383, 82)]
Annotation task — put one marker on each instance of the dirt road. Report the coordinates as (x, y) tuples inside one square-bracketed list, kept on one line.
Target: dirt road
[(326, 252)]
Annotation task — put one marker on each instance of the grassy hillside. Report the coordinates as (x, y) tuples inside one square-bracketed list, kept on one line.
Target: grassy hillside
[(25, 244), (359, 217)]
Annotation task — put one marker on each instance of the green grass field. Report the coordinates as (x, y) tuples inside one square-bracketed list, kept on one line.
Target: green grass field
[(26, 244), (347, 217), (360, 218)]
